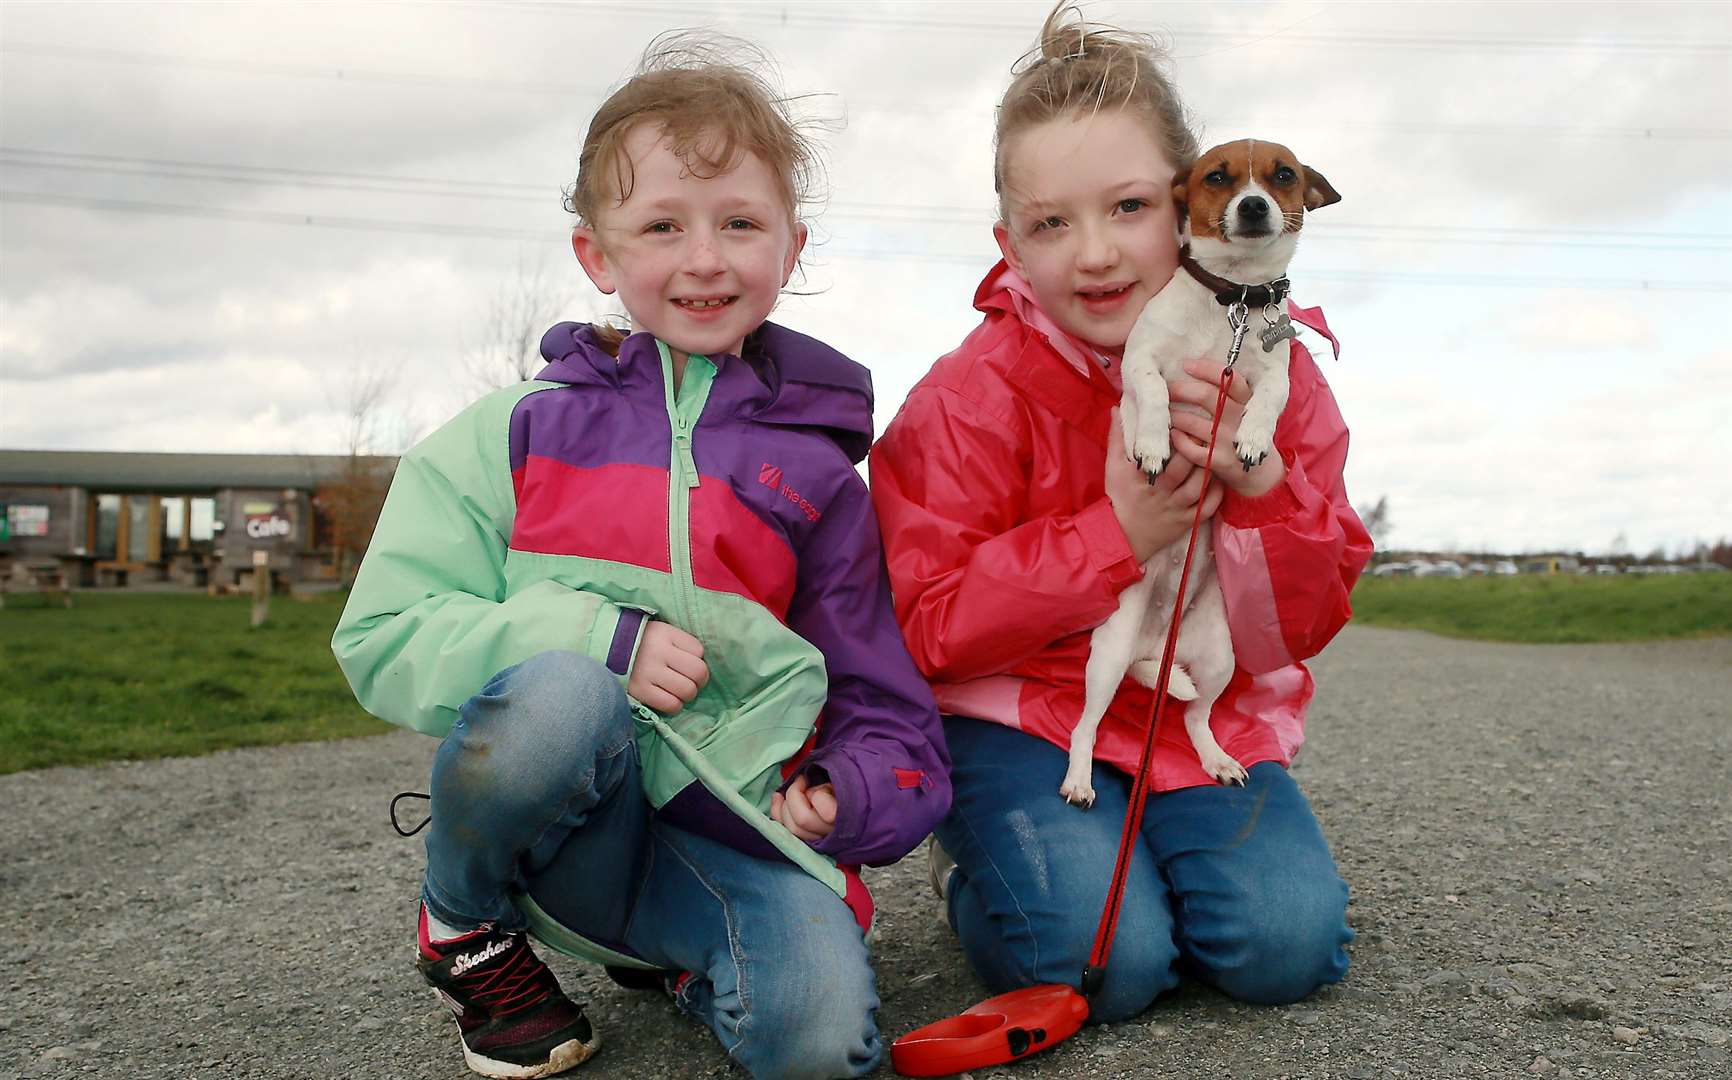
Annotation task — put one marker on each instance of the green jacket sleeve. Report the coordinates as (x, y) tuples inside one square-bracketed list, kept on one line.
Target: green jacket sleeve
[(429, 621)]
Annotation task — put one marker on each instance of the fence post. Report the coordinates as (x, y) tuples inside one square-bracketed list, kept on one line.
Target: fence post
[(261, 587)]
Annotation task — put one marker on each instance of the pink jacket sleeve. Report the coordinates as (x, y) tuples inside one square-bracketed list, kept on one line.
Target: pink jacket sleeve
[(1288, 560), (979, 587)]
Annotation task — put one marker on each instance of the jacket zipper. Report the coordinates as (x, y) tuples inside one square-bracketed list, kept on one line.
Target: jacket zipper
[(684, 408)]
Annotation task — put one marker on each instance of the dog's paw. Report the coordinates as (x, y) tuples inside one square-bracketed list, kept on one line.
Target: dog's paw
[(1250, 454), (1151, 455), (1224, 768), (1078, 790)]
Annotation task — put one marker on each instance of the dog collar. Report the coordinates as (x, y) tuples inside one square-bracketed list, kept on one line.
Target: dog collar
[(1228, 293)]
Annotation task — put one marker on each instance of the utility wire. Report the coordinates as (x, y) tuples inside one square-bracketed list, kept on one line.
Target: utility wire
[(894, 107), (327, 221), (783, 14), (118, 165)]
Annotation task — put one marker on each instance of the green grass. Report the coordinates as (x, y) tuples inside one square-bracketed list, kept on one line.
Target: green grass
[(1561, 608), (123, 677)]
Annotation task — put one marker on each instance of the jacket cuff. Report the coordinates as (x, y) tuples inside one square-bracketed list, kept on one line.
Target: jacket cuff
[(851, 798), (1270, 508), (627, 635), (1108, 550)]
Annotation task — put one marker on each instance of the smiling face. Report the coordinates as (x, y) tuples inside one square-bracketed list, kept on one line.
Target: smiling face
[(1089, 221), (698, 261)]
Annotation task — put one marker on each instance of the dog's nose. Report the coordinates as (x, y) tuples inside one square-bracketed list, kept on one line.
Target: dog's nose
[(1253, 208)]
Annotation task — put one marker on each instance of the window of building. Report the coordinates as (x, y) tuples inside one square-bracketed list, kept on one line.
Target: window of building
[(107, 522), (138, 522)]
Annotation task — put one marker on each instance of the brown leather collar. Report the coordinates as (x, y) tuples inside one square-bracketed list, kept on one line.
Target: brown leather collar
[(1231, 292)]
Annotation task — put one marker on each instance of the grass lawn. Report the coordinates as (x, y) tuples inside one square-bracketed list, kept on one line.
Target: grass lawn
[(1561, 608), (158, 674)]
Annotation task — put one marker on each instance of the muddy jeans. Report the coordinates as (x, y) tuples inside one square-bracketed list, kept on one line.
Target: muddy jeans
[(536, 787)]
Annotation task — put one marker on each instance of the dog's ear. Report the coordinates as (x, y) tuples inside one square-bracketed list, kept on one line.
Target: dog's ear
[(1318, 193)]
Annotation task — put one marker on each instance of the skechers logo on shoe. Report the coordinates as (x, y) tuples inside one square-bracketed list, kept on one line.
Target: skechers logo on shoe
[(771, 477), (468, 961)]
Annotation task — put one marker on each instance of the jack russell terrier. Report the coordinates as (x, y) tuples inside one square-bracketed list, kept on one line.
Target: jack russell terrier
[(1241, 207)]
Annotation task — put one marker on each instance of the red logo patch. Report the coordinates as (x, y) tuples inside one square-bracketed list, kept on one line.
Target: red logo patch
[(771, 477)]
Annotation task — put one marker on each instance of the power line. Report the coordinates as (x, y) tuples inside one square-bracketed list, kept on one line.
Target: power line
[(784, 15), (326, 221), (112, 164), (895, 107)]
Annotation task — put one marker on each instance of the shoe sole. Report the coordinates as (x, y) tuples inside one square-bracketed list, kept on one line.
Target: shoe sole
[(567, 1055)]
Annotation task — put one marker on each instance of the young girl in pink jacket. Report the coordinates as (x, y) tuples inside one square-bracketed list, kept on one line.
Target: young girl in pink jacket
[(1012, 520)]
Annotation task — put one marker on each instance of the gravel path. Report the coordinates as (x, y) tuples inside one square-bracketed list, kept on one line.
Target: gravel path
[(1539, 840)]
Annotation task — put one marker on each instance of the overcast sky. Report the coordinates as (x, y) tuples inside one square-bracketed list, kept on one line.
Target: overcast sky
[(215, 216)]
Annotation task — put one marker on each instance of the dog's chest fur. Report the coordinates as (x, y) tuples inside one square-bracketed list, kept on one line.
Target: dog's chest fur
[(1187, 309)]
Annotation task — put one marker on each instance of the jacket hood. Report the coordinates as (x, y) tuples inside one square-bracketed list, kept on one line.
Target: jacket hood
[(804, 382)]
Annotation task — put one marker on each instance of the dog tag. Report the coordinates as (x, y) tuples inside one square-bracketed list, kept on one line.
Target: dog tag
[(1276, 332)]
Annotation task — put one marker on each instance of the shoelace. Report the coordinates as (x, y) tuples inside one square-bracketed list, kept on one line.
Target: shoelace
[(400, 796), (520, 982)]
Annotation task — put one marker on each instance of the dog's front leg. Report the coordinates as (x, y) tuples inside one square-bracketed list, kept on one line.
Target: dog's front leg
[(1145, 410), (1110, 653), (1257, 425)]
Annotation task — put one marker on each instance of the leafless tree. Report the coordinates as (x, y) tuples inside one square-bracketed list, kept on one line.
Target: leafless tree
[(1377, 522), (372, 438), (508, 345)]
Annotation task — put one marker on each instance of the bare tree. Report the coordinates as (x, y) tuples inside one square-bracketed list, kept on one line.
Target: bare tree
[(509, 346), (372, 438), (1376, 521)]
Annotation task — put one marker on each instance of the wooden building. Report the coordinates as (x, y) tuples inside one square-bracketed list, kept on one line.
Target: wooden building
[(110, 518)]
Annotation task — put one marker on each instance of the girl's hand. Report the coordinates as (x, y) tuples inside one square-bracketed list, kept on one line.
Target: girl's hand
[(807, 812), (1154, 515), (1191, 431), (669, 669)]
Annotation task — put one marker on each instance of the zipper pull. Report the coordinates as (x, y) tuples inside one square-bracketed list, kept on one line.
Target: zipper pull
[(688, 464)]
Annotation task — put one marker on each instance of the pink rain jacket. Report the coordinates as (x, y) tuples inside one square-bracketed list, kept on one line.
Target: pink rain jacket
[(1004, 553)]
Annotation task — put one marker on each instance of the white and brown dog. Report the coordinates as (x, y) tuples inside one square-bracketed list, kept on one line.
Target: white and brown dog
[(1242, 205)]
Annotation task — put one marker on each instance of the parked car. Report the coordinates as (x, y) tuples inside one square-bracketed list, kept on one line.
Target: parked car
[(1478, 569), (1393, 569), (1441, 569), (1505, 567)]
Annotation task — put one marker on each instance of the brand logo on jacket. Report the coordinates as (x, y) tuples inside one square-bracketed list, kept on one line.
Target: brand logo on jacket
[(771, 477)]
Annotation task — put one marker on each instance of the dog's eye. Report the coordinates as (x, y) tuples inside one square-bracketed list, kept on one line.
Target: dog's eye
[(1217, 178), (1284, 175)]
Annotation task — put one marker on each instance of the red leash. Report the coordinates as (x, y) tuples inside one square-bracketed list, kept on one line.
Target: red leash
[(1026, 1021), (1095, 972)]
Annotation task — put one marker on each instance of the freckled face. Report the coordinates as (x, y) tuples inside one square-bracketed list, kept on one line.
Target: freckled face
[(1089, 221), (698, 261)]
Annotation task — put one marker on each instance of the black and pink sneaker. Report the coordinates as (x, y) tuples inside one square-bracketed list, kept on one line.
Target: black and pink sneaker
[(514, 1020)]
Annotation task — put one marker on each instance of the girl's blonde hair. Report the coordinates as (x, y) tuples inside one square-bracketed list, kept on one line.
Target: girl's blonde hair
[(712, 99), (1078, 70)]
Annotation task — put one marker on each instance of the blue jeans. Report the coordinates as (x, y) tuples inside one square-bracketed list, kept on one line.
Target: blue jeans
[(1233, 885), (536, 788)]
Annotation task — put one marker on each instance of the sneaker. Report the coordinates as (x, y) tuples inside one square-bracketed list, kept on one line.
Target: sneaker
[(939, 865), (514, 1020)]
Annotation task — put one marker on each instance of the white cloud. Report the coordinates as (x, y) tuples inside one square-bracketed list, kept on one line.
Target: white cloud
[(1511, 415)]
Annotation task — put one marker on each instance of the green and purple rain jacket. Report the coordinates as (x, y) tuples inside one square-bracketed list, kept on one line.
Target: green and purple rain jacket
[(564, 512)]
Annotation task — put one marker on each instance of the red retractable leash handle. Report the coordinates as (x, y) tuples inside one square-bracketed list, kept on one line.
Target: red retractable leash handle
[(1027, 1021)]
